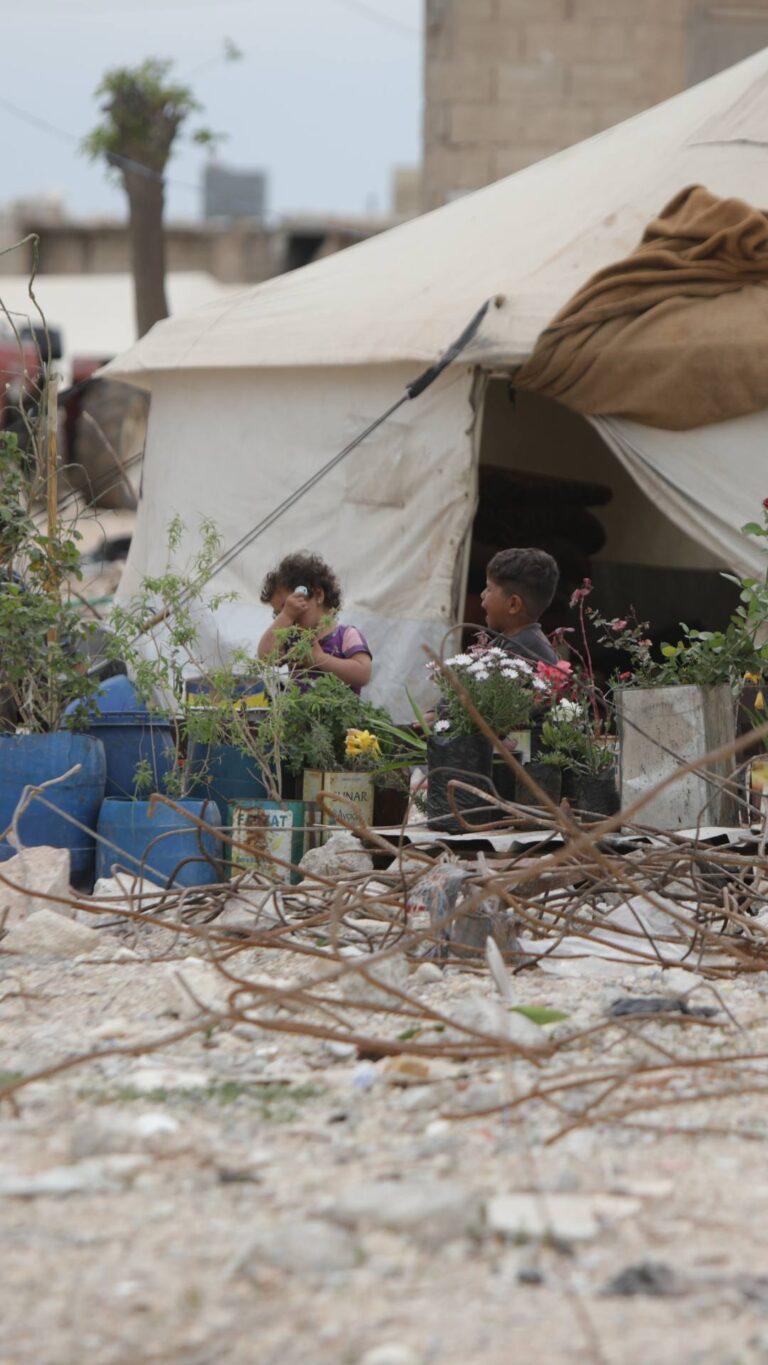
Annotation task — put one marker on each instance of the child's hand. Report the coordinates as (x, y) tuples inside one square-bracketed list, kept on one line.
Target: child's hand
[(319, 656), (294, 608)]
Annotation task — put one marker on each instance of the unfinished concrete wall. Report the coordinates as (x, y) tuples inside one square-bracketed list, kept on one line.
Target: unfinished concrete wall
[(508, 82)]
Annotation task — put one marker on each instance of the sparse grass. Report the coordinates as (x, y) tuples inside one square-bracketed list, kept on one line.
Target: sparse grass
[(277, 1102), (10, 1077)]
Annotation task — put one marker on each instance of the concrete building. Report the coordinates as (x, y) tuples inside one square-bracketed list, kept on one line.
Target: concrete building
[(241, 252), (508, 82)]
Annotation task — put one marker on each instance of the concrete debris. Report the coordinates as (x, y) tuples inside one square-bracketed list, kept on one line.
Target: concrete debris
[(387, 971), (342, 856), (494, 1018), (432, 1211), (459, 917), (561, 1217), (196, 987), (307, 1246), (108, 1133), (48, 934), (38, 872), (390, 1353), (98, 1175)]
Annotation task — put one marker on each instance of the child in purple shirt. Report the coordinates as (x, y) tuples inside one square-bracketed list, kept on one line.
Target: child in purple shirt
[(337, 649)]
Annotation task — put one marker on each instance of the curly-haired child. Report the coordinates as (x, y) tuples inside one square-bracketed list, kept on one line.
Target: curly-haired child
[(337, 649)]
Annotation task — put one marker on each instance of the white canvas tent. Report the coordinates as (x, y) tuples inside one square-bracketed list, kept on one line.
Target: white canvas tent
[(252, 395), (97, 313)]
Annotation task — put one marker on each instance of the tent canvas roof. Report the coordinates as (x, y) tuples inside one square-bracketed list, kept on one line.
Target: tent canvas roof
[(96, 313), (532, 238)]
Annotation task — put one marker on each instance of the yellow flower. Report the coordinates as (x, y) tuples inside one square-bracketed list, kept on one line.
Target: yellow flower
[(759, 702), (752, 677), (361, 742)]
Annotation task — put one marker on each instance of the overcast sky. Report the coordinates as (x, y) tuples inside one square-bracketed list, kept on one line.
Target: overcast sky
[(327, 97)]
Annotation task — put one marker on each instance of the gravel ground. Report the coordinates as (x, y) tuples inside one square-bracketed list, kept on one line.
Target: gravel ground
[(243, 1196)]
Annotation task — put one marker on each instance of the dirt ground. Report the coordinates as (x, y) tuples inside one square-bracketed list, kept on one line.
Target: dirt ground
[(244, 1196)]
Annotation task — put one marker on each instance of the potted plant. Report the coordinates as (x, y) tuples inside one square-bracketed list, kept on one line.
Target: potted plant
[(674, 708), (504, 690), (45, 636), (584, 761), (326, 739), (156, 633)]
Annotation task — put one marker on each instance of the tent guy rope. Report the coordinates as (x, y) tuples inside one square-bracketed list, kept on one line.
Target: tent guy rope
[(413, 390)]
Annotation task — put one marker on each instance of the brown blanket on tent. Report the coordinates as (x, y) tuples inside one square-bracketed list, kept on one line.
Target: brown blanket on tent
[(675, 335)]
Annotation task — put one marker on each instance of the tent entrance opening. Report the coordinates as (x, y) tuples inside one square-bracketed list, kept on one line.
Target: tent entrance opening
[(546, 478)]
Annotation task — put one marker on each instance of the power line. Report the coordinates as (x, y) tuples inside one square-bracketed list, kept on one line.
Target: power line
[(379, 17), (124, 162), (361, 7)]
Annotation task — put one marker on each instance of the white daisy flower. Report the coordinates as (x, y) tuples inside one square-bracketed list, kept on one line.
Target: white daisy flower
[(568, 710), (442, 725)]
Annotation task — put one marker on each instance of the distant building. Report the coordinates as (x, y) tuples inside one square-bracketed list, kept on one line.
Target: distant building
[(241, 252), (229, 193), (509, 82), (405, 191)]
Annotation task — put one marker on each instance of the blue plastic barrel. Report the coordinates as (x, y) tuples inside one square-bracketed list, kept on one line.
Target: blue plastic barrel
[(115, 694), (224, 774), (30, 760), (164, 847), (130, 739)]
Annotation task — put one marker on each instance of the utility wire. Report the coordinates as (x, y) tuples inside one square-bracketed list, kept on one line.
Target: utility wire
[(361, 7), (124, 162), (378, 17)]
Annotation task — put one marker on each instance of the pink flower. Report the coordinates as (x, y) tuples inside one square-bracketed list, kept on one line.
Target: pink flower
[(624, 677), (582, 592), (616, 626)]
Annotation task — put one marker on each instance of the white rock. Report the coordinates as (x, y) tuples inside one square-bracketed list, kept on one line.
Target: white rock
[(390, 1353), (408, 866), (108, 1133), (259, 911), (111, 1028), (97, 1175), (124, 954), (122, 886), (387, 971), (146, 1079), (491, 1016), (308, 1246), (39, 871), (196, 987), (46, 934), (434, 1211), (427, 974), (566, 1217), (342, 856)]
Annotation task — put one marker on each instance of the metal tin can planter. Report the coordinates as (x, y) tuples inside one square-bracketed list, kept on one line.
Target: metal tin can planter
[(271, 834), (30, 760), (224, 774), (163, 846), (468, 759), (355, 797), (250, 693), (661, 730)]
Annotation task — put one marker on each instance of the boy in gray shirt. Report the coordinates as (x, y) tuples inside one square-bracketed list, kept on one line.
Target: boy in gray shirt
[(520, 585)]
